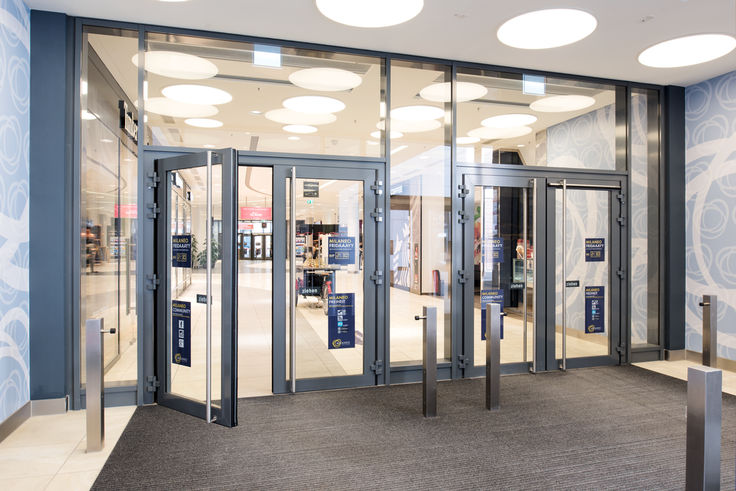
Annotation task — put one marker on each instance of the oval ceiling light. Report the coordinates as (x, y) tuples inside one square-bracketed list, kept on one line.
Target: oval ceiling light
[(467, 140), (287, 116), (411, 126), (300, 128), (197, 94), (417, 113), (175, 109), (508, 121), (466, 91), (562, 103), (177, 65), (485, 133), (314, 104), (203, 122), (370, 13), (325, 79), (544, 29), (395, 135), (687, 50)]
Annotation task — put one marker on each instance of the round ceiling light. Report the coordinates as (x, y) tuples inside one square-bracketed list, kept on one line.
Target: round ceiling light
[(687, 50), (411, 126), (544, 29), (287, 116), (417, 113), (175, 109), (325, 79), (467, 140), (197, 94), (300, 128), (508, 121), (395, 135), (370, 13), (466, 91), (177, 65), (314, 104), (203, 122), (485, 133), (562, 103)]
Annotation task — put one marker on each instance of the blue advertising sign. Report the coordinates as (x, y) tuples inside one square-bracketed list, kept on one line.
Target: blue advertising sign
[(341, 327), (595, 250), (594, 309), (181, 333), (497, 250), (340, 250), (494, 295), (181, 251)]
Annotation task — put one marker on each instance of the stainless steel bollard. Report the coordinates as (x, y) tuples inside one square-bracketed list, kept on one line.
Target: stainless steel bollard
[(429, 365), (703, 467), (95, 394), (493, 356), (710, 330)]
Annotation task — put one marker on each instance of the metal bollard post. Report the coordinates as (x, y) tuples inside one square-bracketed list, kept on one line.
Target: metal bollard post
[(429, 365), (493, 356), (703, 466), (710, 330), (95, 394)]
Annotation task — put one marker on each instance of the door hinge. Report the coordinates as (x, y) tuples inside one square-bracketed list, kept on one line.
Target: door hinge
[(377, 214), (152, 383), (621, 221), (621, 350), (463, 217), (461, 276), (377, 276), (621, 273), (153, 281), (377, 187), (461, 361), (377, 366), (622, 198), (464, 191), (155, 210), (153, 176)]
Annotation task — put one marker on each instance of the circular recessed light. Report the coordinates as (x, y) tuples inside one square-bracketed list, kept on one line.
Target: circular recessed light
[(467, 140), (314, 104), (325, 79), (687, 50), (466, 91), (417, 113), (411, 126), (106, 140), (256, 111), (394, 134), (294, 138), (175, 109), (543, 29), (562, 103), (508, 121), (177, 65), (208, 145), (203, 122), (370, 13), (197, 94), (287, 116), (300, 128), (485, 133)]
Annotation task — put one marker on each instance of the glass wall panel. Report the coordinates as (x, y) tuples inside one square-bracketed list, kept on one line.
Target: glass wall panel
[(211, 93), (515, 119), (420, 259)]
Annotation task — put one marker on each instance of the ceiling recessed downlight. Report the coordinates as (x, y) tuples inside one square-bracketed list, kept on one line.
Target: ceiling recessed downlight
[(411, 126), (203, 122), (175, 109), (466, 91), (417, 113), (395, 135), (197, 94), (325, 79), (562, 103), (294, 138), (300, 128), (370, 13), (287, 116), (314, 104), (508, 121), (497, 133), (544, 29), (687, 50), (177, 65), (467, 140)]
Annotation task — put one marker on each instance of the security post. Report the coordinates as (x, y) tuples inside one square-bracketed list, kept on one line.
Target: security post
[(493, 356), (95, 394), (429, 365), (710, 330), (703, 466)]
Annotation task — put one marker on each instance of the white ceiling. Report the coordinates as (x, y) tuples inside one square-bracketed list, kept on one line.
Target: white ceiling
[(463, 30)]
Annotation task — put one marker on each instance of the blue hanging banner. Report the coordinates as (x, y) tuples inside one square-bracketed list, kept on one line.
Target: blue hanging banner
[(341, 326), (595, 250), (340, 250), (497, 250), (181, 333), (594, 309), (181, 251), (494, 295)]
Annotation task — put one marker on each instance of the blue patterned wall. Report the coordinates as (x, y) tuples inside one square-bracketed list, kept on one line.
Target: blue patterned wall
[(710, 134), (14, 128), (584, 142)]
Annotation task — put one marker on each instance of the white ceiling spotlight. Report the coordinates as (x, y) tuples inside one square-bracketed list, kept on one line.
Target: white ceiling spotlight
[(173, 64), (485, 133), (417, 113), (441, 92), (203, 122), (287, 116), (508, 121), (197, 94), (544, 29), (687, 50), (562, 103), (325, 79), (370, 13), (175, 109), (314, 104), (300, 128)]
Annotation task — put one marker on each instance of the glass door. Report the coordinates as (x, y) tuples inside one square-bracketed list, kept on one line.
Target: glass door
[(195, 247)]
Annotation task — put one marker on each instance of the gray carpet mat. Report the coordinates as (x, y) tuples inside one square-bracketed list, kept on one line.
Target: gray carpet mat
[(596, 428)]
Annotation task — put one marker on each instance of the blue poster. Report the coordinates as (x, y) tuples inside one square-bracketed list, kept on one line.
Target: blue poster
[(497, 250), (494, 295), (181, 330), (181, 251), (340, 250), (595, 250), (341, 313), (594, 309)]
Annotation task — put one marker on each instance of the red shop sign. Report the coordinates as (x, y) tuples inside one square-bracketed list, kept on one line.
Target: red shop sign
[(255, 213), (126, 211)]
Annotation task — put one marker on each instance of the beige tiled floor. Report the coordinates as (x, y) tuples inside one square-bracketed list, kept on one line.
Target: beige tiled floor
[(48, 452), (678, 369)]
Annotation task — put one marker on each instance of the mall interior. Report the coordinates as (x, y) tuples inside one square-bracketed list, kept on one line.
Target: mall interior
[(257, 198)]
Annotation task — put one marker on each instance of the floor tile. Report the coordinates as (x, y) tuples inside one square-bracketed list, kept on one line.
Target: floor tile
[(73, 481)]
